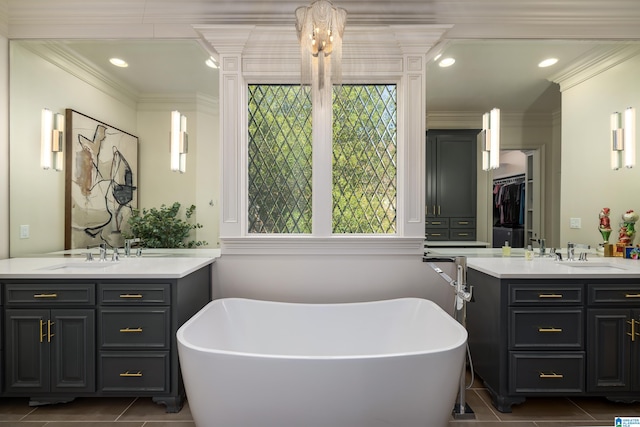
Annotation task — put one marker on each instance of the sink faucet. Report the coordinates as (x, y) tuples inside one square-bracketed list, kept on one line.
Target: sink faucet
[(571, 247), (103, 251), (127, 246), (541, 244)]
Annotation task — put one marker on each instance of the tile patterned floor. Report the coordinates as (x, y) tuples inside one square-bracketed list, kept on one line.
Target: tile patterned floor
[(142, 412)]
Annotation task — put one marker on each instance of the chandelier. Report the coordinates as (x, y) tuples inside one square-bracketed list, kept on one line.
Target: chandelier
[(320, 27)]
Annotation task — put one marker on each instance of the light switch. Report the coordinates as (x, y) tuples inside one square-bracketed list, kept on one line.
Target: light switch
[(24, 231), (575, 223)]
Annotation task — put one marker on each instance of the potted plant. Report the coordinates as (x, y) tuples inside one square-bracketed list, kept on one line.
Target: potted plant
[(163, 228)]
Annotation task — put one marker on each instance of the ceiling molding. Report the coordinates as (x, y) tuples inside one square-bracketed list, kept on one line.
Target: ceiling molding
[(598, 61), (56, 54)]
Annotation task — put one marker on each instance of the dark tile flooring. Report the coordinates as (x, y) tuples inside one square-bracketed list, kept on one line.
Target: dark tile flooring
[(142, 412)]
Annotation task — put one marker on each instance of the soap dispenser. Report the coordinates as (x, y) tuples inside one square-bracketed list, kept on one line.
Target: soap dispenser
[(506, 249)]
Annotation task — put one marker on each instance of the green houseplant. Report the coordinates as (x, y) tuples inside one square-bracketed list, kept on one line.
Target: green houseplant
[(163, 228)]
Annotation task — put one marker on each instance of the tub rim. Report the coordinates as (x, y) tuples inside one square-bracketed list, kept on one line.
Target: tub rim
[(183, 342)]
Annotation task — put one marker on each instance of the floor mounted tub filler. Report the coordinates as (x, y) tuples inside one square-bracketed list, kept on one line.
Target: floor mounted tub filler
[(250, 363)]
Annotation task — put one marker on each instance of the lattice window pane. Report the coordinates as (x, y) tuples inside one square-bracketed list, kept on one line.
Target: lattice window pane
[(364, 159), (280, 159)]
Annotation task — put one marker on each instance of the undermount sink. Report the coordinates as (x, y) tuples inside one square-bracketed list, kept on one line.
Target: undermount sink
[(588, 264), (81, 265)]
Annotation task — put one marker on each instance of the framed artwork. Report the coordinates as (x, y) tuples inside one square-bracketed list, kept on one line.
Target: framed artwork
[(100, 181)]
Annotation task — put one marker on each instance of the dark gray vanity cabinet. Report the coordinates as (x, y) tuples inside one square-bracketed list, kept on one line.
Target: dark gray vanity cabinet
[(450, 208), (49, 338), (554, 337), (104, 337), (614, 340)]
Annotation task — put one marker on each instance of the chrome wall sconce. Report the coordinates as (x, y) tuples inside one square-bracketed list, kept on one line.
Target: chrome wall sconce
[(489, 139), (623, 139), (179, 142), (52, 140)]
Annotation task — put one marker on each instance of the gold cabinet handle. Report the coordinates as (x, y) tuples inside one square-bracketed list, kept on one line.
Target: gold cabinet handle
[(130, 296), (124, 330), (463, 222), (130, 374), (463, 234), (549, 329), (551, 375), (45, 295), (549, 295), (438, 210), (436, 234), (632, 322), (41, 330), (436, 223), (434, 209), (632, 295), (49, 334)]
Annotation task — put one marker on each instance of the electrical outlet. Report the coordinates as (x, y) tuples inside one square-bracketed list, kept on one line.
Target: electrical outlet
[(575, 223), (24, 231)]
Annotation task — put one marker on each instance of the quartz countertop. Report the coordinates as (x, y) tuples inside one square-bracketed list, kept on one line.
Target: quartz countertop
[(548, 268), (159, 267)]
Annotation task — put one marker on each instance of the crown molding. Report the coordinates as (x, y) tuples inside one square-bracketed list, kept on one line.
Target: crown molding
[(56, 54), (597, 62)]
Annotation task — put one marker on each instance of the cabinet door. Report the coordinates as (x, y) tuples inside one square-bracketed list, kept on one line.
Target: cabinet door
[(451, 173), (26, 353), (608, 350), (72, 349)]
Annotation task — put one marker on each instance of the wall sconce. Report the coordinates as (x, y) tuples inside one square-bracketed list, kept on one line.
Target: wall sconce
[(623, 139), (52, 140), (489, 138), (320, 27), (179, 142)]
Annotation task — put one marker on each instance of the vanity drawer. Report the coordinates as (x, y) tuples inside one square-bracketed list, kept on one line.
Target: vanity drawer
[(463, 223), (616, 294), (462, 234), (437, 234), (549, 372), (50, 294), (548, 329), (431, 223), (134, 294), (527, 294), (142, 328), (134, 372)]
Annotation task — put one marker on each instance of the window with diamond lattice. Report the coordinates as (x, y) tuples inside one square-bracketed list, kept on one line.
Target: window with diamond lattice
[(364, 159), (280, 150)]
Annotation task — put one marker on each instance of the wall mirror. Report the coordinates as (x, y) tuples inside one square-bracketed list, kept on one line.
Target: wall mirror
[(486, 74)]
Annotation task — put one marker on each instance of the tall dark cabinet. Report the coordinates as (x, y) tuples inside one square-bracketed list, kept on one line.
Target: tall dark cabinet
[(451, 185)]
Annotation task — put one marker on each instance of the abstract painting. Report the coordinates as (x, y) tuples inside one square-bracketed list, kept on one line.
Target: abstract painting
[(101, 181)]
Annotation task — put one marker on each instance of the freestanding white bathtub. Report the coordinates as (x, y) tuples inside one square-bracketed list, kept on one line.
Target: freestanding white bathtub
[(250, 363)]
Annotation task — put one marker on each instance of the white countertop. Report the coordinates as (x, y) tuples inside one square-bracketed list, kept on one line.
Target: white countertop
[(547, 268), (150, 267)]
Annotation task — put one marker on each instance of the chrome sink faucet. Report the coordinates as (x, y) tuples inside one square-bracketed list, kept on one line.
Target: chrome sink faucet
[(127, 246), (541, 244), (103, 251)]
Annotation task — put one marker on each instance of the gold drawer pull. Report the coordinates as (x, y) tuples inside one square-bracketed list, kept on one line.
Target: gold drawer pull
[(436, 234), (130, 296), (436, 223), (463, 222), (549, 329), (129, 374), (549, 295), (552, 375), (45, 295), (463, 234), (632, 295), (131, 330)]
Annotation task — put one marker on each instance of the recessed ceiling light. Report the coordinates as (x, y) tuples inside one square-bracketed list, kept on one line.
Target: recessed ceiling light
[(447, 62), (548, 62), (211, 62), (119, 62)]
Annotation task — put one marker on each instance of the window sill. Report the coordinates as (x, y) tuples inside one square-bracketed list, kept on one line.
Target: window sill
[(334, 245)]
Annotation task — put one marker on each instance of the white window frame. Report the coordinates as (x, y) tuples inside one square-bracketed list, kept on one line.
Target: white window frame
[(270, 55)]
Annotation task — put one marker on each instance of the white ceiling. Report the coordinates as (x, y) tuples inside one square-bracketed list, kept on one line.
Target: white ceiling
[(497, 43)]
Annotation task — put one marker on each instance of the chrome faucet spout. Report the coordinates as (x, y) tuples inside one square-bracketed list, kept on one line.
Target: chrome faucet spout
[(127, 246)]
